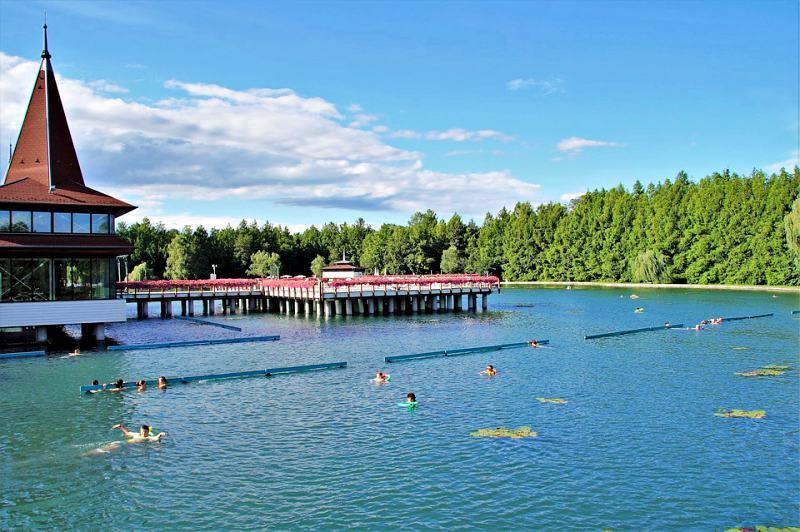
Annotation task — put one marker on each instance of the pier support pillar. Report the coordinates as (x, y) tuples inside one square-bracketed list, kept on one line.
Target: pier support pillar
[(484, 302), (212, 307), (401, 302), (449, 298), (328, 309), (190, 306), (473, 302), (99, 332), (414, 304), (41, 334), (360, 306), (288, 307), (348, 307), (318, 307), (183, 308), (370, 306), (339, 306), (232, 305), (378, 306), (169, 309), (205, 307), (457, 302), (224, 306), (296, 307), (435, 303), (307, 307), (391, 305)]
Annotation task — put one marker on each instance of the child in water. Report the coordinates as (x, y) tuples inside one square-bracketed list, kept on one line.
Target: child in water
[(411, 398), (381, 377), (534, 343), (489, 371), (144, 434), (141, 385), (162, 383)]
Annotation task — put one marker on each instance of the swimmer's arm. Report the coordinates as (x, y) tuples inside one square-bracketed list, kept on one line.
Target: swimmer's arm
[(157, 437), (125, 430)]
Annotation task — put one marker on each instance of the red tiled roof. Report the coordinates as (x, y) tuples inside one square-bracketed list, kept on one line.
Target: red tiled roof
[(27, 190), (342, 268), (43, 242), (45, 156)]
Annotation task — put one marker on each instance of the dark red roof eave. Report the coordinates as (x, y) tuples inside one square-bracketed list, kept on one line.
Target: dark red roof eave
[(27, 243)]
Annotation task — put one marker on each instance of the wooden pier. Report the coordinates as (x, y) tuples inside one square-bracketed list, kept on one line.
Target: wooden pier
[(364, 296)]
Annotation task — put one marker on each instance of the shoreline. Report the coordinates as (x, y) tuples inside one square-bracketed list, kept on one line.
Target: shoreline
[(602, 284)]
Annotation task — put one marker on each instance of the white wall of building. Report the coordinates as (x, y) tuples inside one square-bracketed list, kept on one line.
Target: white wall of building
[(34, 313)]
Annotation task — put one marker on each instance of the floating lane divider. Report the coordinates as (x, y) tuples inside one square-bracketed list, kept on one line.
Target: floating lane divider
[(206, 322), (796, 312), (462, 351), (217, 376), (632, 331), (737, 318), (23, 354), (188, 343)]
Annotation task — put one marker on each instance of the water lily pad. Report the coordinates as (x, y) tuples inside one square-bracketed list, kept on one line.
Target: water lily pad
[(750, 414), (554, 400), (502, 432)]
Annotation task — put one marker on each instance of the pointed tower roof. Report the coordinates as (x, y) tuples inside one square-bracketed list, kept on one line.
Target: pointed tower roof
[(44, 167)]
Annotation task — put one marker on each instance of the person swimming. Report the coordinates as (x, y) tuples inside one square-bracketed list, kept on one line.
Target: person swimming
[(534, 343), (699, 327), (141, 385), (75, 353), (381, 378), (162, 383), (639, 310), (118, 386), (144, 434), (667, 325), (411, 398), (489, 371)]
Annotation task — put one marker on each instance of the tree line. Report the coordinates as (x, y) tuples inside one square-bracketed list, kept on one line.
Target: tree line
[(724, 228)]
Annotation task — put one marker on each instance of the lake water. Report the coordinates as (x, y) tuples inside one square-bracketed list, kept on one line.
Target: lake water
[(636, 447)]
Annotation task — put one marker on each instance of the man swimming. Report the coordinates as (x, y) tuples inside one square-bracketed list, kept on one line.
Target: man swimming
[(75, 353), (489, 371), (144, 434), (118, 386), (162, 383), (534, 343), (381, 378), (141, 385)]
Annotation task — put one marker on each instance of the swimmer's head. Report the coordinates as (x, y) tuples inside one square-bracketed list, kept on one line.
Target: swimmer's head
[(120, 383), (145, 430), (411, 397), (490, 367), (95, 382)]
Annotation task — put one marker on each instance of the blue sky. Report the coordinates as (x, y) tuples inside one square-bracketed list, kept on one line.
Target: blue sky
[(384, 108)]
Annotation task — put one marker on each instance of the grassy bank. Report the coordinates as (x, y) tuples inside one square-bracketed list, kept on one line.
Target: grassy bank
[(789, 289)]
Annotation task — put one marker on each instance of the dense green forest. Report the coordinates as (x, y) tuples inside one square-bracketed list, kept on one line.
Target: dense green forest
[(725, 228)]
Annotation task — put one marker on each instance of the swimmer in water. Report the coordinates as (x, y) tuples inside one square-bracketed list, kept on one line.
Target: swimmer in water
[(95, 383), (534, 343), (381, 378), (411, 397), (489, 371), (667, 325), (141, 385), (162, 383), (699, 327), (639, 310), (118, 386), (75, 353), (144, 434)]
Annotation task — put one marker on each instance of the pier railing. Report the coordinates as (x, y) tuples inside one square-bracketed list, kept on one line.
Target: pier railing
[(307, 288)]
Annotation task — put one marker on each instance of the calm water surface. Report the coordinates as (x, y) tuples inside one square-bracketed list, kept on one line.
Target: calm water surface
[(636, 447)]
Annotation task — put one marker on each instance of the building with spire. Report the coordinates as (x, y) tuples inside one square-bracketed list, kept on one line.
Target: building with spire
[(58, 247)]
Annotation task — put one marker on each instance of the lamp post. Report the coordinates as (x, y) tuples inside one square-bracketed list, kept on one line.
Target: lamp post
[(214, 274)]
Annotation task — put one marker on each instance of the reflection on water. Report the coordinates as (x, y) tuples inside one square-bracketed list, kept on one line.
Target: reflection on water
[(635, 445)]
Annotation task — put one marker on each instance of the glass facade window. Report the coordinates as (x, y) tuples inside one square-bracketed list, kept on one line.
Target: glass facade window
[(21, 221), (100, 224), (30, 279), (111, 221), (42, 222), (5, 279), (81, 222), (62, 222), (5, 221), (27, 279)]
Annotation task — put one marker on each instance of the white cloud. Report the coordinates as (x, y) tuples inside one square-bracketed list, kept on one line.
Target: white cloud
[(788, 164), (456, 134), (355, 108), (576, 144), (362, 119), (380, 129), (543, 86), (208, 142), (102, 85), (569, 196)]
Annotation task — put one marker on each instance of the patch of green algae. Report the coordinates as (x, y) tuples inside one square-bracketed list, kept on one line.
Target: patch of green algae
[(763, 372), (750, 414), (502, 432), (554, 400)]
